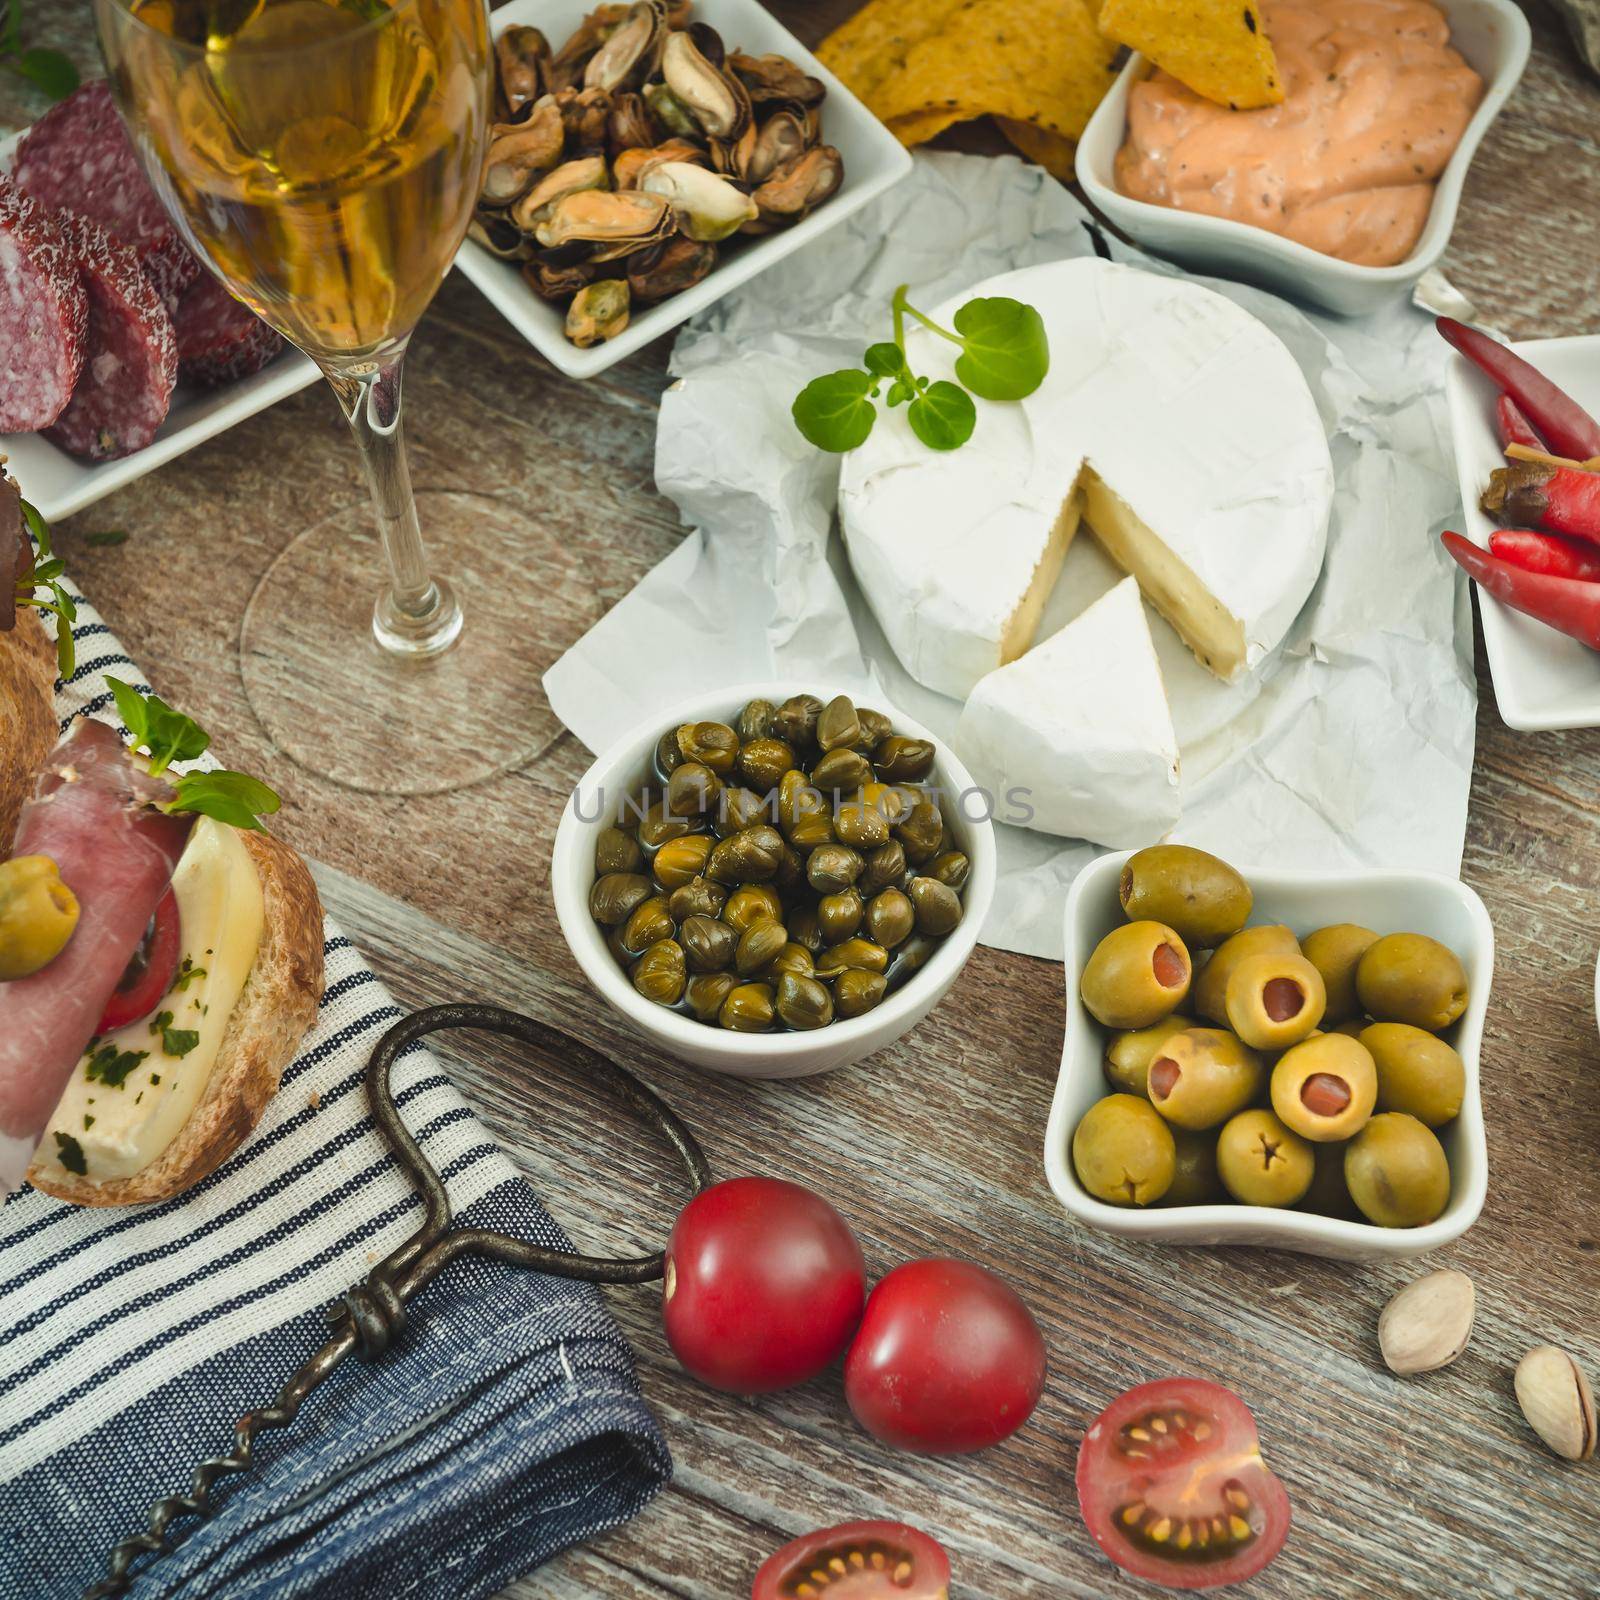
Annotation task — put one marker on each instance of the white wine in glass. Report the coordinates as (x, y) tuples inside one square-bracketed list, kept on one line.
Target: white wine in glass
[(324, 156)]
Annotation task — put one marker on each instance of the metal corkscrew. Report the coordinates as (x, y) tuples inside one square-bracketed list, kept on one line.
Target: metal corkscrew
[(368, 1318)]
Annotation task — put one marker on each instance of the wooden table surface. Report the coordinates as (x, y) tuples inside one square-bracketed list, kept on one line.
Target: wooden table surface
[(1423, 1487)]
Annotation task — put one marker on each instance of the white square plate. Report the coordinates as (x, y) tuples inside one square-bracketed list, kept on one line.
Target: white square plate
[(60, 484), (873, 160), (1542, 679), (1387, 901)]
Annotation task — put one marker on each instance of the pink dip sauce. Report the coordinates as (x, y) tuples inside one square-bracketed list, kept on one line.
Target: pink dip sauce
[(1375, 103)]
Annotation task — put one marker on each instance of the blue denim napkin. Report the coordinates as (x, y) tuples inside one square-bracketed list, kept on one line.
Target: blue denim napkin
[(503, 1425)]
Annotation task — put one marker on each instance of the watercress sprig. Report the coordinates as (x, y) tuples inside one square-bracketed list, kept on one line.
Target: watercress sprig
[(165, 736), (1005, 355), (47, 69), (43, 569)]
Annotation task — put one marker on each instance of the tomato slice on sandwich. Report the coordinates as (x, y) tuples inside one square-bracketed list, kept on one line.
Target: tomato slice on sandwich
[(1173, 1488), (148, 977)]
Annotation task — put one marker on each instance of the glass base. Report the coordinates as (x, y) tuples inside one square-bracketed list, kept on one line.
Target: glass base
[(412, 720)]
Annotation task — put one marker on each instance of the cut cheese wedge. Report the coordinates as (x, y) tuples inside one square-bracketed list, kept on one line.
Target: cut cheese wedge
[(1176, 426), (1076, 738)]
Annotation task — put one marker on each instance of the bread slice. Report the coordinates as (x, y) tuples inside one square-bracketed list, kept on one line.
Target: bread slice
[(28, 730), (275, 1012)]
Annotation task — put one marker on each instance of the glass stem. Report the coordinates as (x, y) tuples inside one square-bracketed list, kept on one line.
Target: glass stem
[(416, 614)]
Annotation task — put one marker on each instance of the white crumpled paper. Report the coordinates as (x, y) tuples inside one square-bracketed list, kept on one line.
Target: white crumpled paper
[(1350, 746)]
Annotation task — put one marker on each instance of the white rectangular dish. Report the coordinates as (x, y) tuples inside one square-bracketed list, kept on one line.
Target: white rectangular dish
[(60, 484), (1542, 679), (1388, 901), (1492, 35), (873, 160)]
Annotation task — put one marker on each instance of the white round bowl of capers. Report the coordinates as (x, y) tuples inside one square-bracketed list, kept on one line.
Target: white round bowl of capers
[(770, 881)]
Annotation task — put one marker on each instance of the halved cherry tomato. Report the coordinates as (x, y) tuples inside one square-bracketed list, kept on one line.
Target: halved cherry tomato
[(948, 1359), (1172, 1486), (857, 1561), (149, 974), (764, 1285)]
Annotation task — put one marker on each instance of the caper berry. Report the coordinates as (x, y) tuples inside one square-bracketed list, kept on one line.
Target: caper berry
[(708, 944), (856, 992), (902, 760), (706, 992), (755, 721), (714, 743), (749, 856), (891, 800), (839, 915), (792, 958), (838, 726), (751, 904), (616, 851), (692, 790), (763, 762), (658, 825), (797, 798), (681, 861), (832, 867), (841, 772), (805, 929), (938, 906), (886, 868), (741, 808), (668, 757), (890, 918), (613, 897), (758, 946), (862, 954), (811, 832), (911, 957), (920, 832), (796, 720), (649, 923), (803, 1003), (700, 897), (860, 825), (660, 974), (875, 728), (747, 1008), (791, 867), (952, 869)]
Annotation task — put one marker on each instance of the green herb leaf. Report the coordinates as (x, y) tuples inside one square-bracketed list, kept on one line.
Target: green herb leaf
[(187, 973), (111, 1066), (943, 416), (48, 70), (70, 1153), (1007, 351), (179, 1041), (42, 573), (164, 734), (231, 797), (886, 359), (105, 537), (834, 412)]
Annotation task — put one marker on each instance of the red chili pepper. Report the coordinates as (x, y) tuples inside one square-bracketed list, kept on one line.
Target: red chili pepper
[(1569, 605), (1546, 552), (1570, 429), (1515, 427), (1528, 494)]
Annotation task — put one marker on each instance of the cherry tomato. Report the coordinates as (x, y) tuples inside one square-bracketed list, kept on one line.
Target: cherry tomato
[(764, 1285), (1173, 1487), (948, 1359), (857, 1561), (149, 975)]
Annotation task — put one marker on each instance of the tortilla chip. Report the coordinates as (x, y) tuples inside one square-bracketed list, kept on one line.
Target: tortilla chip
[(922, 126), (1056, 155), (872, 46), (1219, 48), (1036, 61)]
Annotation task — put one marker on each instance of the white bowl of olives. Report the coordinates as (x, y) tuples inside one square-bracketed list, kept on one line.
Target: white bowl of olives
[(770, 881), (1315, 1085)]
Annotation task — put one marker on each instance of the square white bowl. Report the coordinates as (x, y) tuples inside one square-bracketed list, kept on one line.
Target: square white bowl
[(1494, 38), (60, 484), (594, 805), (1390, 901), (1542, 679), (873, 160)]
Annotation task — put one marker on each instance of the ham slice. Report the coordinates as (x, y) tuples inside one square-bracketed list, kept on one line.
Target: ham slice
[(93, 813)]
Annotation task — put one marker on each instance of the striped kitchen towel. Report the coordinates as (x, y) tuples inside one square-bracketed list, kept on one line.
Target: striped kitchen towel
[(504, 1425)]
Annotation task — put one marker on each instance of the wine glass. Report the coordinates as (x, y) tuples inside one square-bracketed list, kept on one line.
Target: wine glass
[(323, 157)]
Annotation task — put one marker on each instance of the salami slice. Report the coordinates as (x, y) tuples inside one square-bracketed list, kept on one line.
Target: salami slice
[(78, 157), (220, 339), (44, 315), (92, 815), (131, 362)]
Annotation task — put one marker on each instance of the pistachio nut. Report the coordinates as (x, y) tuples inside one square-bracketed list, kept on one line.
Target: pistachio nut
[(1556, 1400), (1427, 1324)]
